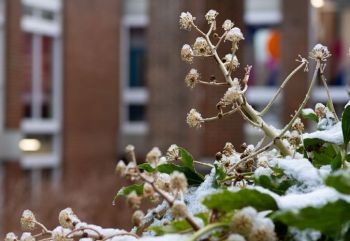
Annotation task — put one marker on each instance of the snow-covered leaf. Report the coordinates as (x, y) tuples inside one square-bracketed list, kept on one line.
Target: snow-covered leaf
[(147, 167), (192, 176), (329, 219), (340, 181), (275, 184), (176, 226), (309, 114), (226, 201), (125, 191), (346, 124)]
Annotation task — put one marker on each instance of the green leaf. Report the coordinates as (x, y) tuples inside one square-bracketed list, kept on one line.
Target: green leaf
[(204, 217), (340, 181), (125, 191), (275, 184), (186, 158), (226, 201), (147, 167), (174, 227), (321, 159), (309, 114), (328, 219), (345, 124), (193, 177), (336, 162)]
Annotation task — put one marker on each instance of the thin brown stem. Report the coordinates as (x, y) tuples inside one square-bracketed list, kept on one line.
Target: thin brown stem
[(330, 101), (268, 106), (213, 83), (220, 115)]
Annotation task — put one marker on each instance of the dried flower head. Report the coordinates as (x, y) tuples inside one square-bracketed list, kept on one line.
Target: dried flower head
[(179, 209), (129, 148), (263, 230), (192, 78), (27, 237), (320, 52), (148, 190), (133, 200), (137, 218), (163, 182), (231, 62), (60, 234), (186, 20), (153, 156), (243, 220), (294, 138), (298, 125), (11, 237), (120, 168), (229, 149), (131, 171), (178, 181), (173, 153), (28, 220), (201, 47), (187, 53), (194, 118), (68, 219), (235, 237), (233, 93), (211, 16), (227, 25), (234, 35), (320, 110)]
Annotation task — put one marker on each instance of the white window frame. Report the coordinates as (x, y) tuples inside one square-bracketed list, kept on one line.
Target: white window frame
[(38, 27), (138, 95)]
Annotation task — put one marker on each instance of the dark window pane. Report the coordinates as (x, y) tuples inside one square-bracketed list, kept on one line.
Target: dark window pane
[(137, 113), (137, 59)]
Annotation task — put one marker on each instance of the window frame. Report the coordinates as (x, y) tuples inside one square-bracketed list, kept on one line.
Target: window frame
[(134, 95)]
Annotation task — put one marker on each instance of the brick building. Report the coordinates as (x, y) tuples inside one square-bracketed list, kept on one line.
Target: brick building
[(81, 79)]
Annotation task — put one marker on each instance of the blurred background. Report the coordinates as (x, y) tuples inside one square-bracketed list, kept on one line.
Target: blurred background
[(80, 79)]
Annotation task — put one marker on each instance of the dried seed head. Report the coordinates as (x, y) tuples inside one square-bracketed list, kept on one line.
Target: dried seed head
[(233, 93), (173, 153), (153, 156), (211, 16), (27, 237), (60, 234), (163, 182), (298, 125), (178, 181), (187, 53), (320, 52), (263, 230), (137, 218), (67, 218), (194, 118), (227, 25), (11, 237), (186, 20), (192, 78), (229, 149), (234, 35), (133, 200), (320, 110), (120, 168), (148, 190), (231, 62), (28, 220), (201, 47), (243, 220), (179, 209)]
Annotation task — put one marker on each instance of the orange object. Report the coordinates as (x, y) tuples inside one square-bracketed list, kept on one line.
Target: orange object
[(274, 44)]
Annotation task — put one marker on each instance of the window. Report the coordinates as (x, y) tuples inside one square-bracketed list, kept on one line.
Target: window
[(41, 97), (133, 75)]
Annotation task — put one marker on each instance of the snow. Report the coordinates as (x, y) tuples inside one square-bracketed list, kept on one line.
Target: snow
[(262, 171), (308, 111), (302, 170), (332, 135), (195, 196)]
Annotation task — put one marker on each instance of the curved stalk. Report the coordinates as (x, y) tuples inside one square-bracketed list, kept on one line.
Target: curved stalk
[(207, 229)]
